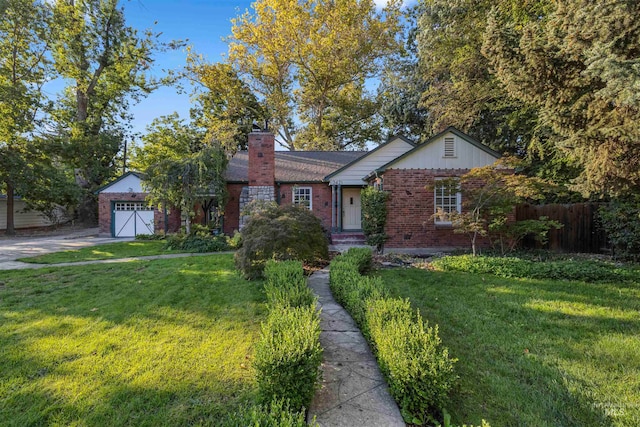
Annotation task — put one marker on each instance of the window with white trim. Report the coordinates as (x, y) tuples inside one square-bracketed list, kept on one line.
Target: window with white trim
[(132, 206), (449, 147), (302, 196), (447, 199)]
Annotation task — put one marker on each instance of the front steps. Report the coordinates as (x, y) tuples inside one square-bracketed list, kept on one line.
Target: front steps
[(355, 238)]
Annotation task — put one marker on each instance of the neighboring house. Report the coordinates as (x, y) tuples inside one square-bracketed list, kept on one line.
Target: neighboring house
[(329, 184), (24, 219)]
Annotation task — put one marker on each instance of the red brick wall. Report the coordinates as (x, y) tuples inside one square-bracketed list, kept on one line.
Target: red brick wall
[(232, 209), (105, 213), (321, 206), (409, 210), (321, 200), (261, 158)]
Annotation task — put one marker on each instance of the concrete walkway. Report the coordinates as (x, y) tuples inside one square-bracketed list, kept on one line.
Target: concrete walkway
[(19, 265), (353, 392)]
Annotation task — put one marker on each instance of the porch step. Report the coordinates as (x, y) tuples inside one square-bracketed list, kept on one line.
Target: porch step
[(348, 238)]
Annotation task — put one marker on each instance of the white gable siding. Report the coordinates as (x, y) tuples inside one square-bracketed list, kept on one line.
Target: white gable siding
[(353, 174), (21, 219), (432, 156), (129, 184)]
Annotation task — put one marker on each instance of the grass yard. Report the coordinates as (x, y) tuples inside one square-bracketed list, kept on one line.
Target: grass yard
[(534, 352), (107, 251), (156, 343)]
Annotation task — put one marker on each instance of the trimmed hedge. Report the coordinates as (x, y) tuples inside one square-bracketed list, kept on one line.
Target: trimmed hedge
[(276, 414), (417, 367), (288, 354), (511, 267), (286, 284)]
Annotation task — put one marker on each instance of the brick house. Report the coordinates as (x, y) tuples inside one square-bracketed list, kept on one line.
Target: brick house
[(329, 183)]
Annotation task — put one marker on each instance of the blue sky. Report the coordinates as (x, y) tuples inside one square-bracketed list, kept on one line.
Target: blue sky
[(203, 22)]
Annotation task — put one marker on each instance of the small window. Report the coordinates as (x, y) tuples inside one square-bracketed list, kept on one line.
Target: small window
[(447, 199), (449, 147), (302, 196)]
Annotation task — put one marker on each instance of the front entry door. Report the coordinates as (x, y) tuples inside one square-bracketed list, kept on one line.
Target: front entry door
[(351, 209)]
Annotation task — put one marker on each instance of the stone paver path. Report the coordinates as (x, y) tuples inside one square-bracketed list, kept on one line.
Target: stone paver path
[(353, 392)]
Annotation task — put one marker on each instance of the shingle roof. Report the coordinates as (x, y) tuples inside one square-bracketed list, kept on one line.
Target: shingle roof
[(294, 166)]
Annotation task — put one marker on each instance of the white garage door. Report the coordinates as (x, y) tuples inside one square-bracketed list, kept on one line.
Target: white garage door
[(131, 219)]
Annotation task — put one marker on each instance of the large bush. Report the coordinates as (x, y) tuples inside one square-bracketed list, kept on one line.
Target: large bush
[(288, 356), (416, 365), (621, 221), (280, 233)]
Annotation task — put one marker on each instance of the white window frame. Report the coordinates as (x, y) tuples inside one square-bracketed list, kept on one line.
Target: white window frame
[(302, 196), (446, 202)]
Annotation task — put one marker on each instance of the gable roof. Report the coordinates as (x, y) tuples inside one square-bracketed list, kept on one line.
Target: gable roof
[(368, 153), (450, 129), (294, 166), (138, 175)]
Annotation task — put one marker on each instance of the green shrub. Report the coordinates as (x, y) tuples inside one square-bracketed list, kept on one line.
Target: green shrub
[(286, 284), (374, 216), (280, 233), (235, 242), (621, 221), (159, 236), (196, 243), (276, 414), (288, 356), (511, 267), (418, 368)]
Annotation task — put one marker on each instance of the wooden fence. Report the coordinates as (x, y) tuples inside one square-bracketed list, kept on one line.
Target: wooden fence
[(580, 233)]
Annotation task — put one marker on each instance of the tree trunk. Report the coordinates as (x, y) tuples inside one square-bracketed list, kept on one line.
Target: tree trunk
[(11, 231)]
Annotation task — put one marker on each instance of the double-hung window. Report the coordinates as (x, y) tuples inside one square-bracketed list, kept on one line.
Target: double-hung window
[(302, 196), (447, 199)]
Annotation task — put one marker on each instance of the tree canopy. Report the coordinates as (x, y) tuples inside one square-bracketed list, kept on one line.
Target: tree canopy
[(309, 63), (580, 66)]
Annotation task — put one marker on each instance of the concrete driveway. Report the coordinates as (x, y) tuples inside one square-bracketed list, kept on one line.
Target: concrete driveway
[(21, 247)]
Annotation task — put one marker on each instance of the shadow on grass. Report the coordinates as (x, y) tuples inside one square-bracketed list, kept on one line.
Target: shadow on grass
[(165, 342), (533, 352)]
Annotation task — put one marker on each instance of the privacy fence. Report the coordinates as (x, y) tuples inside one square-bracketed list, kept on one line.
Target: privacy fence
[(581, 231)]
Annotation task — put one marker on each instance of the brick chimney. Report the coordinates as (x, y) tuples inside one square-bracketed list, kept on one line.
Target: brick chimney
[(262, 171), (261, 159)]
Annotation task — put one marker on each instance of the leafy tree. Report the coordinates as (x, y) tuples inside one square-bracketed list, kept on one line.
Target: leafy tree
[(461, 89), (23, 71), (227, 108), (309, 62), (181, 167), (401, 86), (104, 62), (180, 183), (578, 65), (489, 197), (374, 216)]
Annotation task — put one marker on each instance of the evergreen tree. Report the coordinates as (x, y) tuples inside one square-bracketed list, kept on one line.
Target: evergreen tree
[(580, 66)]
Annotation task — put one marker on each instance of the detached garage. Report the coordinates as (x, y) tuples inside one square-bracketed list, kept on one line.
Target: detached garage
[(124, 211)]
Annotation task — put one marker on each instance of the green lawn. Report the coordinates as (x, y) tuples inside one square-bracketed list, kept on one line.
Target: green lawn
[(164, 342), (106, 251), (534, 352)]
